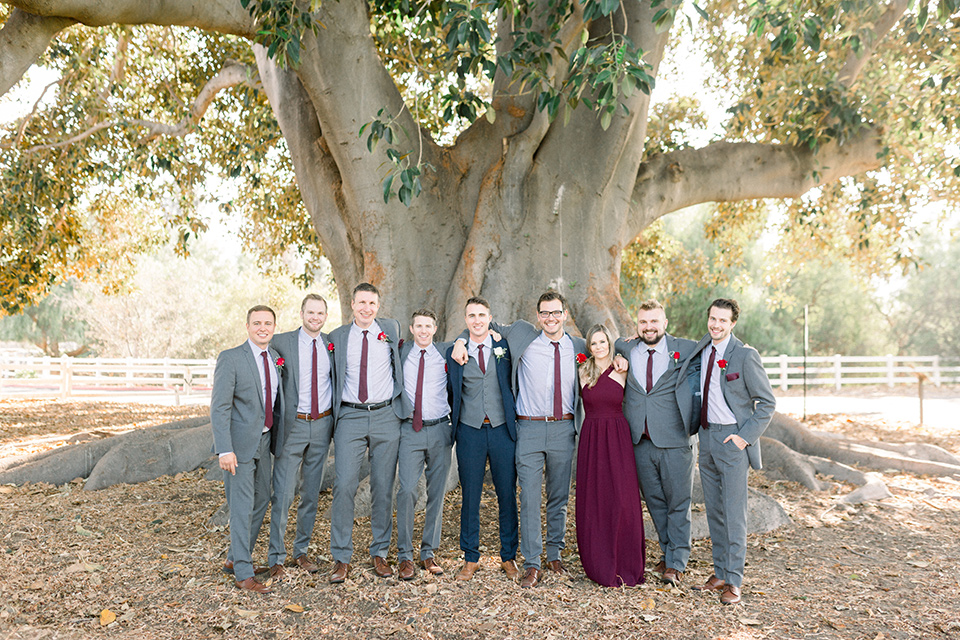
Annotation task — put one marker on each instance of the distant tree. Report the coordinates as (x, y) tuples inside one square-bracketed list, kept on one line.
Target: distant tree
[(687, 268), (926, 318), (185, 308), (50, 323)]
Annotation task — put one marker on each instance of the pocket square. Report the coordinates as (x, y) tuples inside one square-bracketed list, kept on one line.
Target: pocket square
[(732, 376)]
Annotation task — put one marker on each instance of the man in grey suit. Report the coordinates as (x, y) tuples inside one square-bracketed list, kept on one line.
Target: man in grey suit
[(659, 426), (545, 384), (308, 388), (246, 413), (426, 440), (736, 406), (368, 385)]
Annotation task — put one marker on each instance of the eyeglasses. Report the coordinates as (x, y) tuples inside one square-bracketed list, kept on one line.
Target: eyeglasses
[(548, 314)]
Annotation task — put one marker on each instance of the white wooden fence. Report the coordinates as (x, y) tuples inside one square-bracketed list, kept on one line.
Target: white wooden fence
[(72, 376), (67, 376), (837, 371)]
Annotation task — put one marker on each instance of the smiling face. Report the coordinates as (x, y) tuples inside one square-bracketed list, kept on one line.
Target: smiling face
[(313, 316), (423, 329), (552, 316), (365, 305), (651, 325), (477, 318), (599, 346), (260, 328), (719, 324)]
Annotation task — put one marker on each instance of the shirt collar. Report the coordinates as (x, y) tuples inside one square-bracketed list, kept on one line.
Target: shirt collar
[(722, 347)]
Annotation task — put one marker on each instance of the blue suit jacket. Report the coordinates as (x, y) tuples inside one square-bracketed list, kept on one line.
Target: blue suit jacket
[(504, 367)]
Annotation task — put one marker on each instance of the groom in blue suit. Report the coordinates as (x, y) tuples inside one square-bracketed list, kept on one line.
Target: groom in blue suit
[(484, 421)]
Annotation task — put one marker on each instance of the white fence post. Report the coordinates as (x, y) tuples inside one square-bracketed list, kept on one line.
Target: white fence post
[(783, 372), (66, 377), (837, 371), (890, 372), (936, 370)]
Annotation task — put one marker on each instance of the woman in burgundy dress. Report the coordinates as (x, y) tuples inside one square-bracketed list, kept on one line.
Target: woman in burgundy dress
[(609, 515)]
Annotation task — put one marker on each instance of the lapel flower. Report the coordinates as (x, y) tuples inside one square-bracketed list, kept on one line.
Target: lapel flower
[(675, 355), (581, 358), (722, 364), (499, 352), (279, 362), (383, 337), (400, 344), (330, 347)]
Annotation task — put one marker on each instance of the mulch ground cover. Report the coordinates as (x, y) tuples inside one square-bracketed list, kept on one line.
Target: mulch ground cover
[(140, 561)]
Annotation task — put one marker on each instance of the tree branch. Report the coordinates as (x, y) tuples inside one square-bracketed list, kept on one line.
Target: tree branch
[(855, 61), (730, 171), (225, 16), (232, 74), (23, 39)]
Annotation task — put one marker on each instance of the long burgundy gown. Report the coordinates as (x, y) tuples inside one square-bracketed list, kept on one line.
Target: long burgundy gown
[(609, 515)]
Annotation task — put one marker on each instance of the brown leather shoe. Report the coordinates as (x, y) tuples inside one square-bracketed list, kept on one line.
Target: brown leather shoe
[(672, 576), (381, 567), (713, 584), (251, 584), (531, 578), (557, 567), (730, 595), (407, 570), (340, 572), (510, 568), (308, 565), (661, 566), (228, 568), (277, 573), (429, 564), (469, 568)]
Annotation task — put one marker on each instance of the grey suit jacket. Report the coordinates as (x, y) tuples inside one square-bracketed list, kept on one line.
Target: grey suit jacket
[(746, 389), (340, 337), (237, 411), (660, 410), (288, 346), (519, 335), (406, 407)]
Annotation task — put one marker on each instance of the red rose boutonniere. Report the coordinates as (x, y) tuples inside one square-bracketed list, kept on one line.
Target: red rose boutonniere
[(400, 344), (279, 362), (330, 347), (383, 337), (581, 358), (722, 364), (675, 355)]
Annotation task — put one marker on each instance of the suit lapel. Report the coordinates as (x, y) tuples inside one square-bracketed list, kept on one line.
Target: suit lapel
[(254, 369), (728, 355)]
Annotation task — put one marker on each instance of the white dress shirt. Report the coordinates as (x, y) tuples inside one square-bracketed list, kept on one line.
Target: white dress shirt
[(324, 390), (435, 404), (379, 366), (718, 412)]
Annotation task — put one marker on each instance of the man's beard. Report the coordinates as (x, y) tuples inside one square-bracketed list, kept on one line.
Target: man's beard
[(651, 342)]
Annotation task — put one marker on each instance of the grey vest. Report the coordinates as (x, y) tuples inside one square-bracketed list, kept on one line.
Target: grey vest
[(481, 396)]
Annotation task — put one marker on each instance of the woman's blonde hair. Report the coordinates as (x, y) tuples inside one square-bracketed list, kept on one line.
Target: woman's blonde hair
[(591, 371)]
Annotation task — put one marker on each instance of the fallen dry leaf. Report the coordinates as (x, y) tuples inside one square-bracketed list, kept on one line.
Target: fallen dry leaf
[(106, 617), (294, 607)]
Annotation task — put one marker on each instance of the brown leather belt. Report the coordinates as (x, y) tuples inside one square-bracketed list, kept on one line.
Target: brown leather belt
[(306, 416), (566, 416)]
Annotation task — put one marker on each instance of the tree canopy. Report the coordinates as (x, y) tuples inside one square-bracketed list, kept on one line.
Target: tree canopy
[(517, 137)]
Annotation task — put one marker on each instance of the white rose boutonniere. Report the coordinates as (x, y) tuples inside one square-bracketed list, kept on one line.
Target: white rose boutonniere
[(499, 352)]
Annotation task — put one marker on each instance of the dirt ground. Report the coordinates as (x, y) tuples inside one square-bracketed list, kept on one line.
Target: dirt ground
[(138, 561)]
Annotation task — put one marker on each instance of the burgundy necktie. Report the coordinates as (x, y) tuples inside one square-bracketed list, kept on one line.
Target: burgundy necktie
[(362, 391), (650, 353), (418, 396), (706, 388), (481, 360), (268, 405), (314, 392), (557, 384)]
